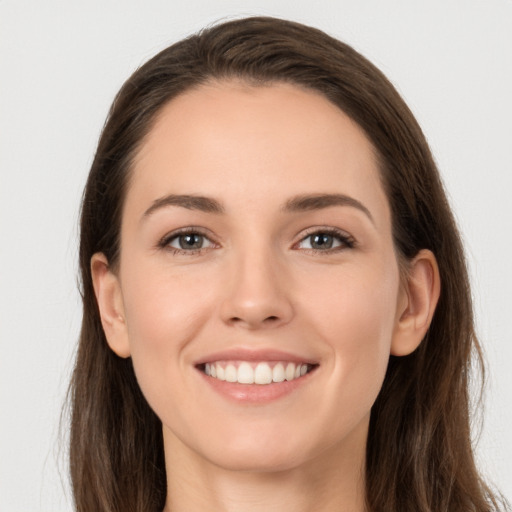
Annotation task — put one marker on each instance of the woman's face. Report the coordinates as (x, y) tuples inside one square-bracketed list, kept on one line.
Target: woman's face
[(256, 240)]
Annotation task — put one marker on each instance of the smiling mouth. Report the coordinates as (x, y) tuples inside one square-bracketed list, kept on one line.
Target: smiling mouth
[(261, 373)]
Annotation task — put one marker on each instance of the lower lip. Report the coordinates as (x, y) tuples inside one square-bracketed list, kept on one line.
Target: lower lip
[(256, 393)]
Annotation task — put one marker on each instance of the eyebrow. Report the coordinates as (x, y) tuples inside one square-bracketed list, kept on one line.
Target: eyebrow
[(320, 201), (307, 202), (190, 202)]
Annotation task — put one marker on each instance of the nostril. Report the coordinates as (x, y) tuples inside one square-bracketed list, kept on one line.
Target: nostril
[(271, 319)]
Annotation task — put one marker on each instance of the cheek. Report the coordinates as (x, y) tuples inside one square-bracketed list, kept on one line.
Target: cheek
[(354, 304), (163, 315), (163, 306), (356, 320)]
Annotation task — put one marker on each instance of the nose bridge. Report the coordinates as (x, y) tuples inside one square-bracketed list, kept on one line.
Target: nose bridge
[(257, 295)]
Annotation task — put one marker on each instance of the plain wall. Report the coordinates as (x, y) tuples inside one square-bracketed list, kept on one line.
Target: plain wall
[(61, 63)]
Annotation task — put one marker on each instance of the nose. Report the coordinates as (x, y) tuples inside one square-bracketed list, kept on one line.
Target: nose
[(258, 293)]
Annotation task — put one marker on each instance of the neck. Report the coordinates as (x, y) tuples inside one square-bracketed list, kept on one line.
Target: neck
[(332, 481)]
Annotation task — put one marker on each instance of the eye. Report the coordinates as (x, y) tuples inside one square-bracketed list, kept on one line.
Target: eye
[(186, 241), (325, 241)]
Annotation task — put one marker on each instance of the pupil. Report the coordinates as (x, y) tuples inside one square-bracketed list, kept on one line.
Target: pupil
[(192, 241), (322, 241)]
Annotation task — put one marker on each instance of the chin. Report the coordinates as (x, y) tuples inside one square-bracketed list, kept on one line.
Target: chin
[(258, 453), (258, 461)]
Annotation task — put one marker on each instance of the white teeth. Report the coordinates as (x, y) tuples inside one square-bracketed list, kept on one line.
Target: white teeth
[(231, 373), (245, 374), (290, 371), (221, 373), (263, 373), (278, 373)]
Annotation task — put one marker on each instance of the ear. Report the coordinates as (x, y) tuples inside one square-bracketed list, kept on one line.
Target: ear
[(110, 303), (416, 304)]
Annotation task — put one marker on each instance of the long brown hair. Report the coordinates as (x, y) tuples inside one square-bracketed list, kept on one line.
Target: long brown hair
[(419, 451)]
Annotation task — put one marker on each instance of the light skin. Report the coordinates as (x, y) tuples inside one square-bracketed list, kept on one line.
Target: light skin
[(278, 170)]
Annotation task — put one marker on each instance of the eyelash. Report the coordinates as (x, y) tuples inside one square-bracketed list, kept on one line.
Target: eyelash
[(346, 241), (164, 243)]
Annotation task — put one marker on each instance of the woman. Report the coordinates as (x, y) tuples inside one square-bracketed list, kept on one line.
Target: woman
[(277, 312)]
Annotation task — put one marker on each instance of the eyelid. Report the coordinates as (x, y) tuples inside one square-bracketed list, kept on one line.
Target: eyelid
[(164, 242), (347, 240)]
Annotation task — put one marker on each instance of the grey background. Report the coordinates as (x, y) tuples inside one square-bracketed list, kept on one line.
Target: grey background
[(61, 62)]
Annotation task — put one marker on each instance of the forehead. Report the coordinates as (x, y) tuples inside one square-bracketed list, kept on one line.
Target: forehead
[(235, 141)]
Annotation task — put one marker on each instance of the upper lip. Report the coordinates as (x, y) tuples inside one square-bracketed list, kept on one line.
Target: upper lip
[(247, 354)]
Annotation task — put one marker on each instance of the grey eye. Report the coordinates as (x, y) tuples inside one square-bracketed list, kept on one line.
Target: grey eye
[(322, 241), (190, 242)]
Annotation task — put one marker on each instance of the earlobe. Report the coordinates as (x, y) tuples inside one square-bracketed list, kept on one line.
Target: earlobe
[(417, 303), (110, 303)]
